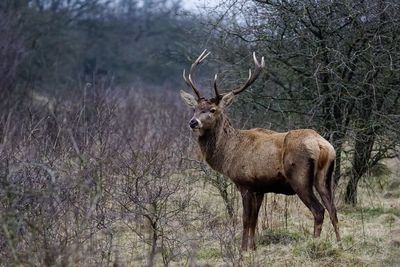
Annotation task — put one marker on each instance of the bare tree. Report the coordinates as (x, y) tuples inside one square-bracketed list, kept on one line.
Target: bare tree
[(332, 66)]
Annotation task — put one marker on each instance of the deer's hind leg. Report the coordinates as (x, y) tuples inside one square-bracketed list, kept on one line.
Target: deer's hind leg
[(323, 184), (301, 176)]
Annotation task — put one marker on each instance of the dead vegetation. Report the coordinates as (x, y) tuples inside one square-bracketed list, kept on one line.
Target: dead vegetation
[(105, 179)]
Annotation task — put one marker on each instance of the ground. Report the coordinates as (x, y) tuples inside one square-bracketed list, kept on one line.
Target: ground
[(370, 232)]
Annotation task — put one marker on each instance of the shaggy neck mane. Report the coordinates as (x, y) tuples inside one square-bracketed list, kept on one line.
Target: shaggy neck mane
[(213, 142)]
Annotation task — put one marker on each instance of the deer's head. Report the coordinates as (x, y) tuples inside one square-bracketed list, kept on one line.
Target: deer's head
[(208, 111)]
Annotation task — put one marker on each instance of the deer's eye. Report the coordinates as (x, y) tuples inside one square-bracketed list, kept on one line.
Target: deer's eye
[(213, 110)]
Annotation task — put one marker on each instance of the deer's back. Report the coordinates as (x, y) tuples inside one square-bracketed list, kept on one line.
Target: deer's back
[(257, 160)]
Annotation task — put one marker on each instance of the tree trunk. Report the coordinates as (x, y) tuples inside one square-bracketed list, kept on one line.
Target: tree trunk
[(153, 250), (350, 197), (154, 235), (365, 139), (338, 169), (336, 122)]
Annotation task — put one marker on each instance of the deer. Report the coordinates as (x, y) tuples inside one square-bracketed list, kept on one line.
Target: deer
[(260, 161)]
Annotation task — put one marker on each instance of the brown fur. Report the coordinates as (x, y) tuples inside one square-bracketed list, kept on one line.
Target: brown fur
[(261, 161)]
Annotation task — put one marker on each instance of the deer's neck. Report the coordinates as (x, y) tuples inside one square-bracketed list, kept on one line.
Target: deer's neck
[(215, 143)]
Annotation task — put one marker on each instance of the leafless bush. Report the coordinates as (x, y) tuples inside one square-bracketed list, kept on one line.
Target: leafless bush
[(88, 171)]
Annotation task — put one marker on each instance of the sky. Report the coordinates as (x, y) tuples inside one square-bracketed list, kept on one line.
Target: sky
[(189, 4)]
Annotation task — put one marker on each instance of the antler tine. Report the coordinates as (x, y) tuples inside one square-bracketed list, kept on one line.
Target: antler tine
[(200, 58), (252, 76), (184, 77), (189, 80), (217, 95)]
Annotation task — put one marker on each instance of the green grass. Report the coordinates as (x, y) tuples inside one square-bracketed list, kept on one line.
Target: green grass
[(316, 249), (284, 237), (369, 213), (208, 252)]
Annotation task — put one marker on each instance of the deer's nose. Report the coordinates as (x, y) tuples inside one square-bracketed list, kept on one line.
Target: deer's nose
[(193, 123)]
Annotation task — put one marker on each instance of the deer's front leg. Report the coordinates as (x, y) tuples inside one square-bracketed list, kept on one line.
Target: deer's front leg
[(257, 200), (247, 201)]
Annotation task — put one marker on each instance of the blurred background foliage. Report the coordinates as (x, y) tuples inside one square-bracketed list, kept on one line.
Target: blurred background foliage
[(60, 44)]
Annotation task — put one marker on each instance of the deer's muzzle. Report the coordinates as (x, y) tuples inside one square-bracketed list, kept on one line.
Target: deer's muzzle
[(194, 123)]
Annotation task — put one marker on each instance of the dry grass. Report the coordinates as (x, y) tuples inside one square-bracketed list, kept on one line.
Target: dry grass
[(96, 198), (286, 240)]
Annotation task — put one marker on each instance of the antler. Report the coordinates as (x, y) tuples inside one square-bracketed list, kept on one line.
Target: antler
[(252, 76), (217, 95), (189, 80)]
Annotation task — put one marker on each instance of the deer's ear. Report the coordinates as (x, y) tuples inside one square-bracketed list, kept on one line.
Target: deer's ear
[(188, 99), (226, 100)]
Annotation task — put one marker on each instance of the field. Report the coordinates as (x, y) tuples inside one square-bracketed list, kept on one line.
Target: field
[(92, 194), (370, 233)]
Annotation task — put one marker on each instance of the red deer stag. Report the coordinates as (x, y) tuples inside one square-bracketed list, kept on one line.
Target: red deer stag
[(260, 161)]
